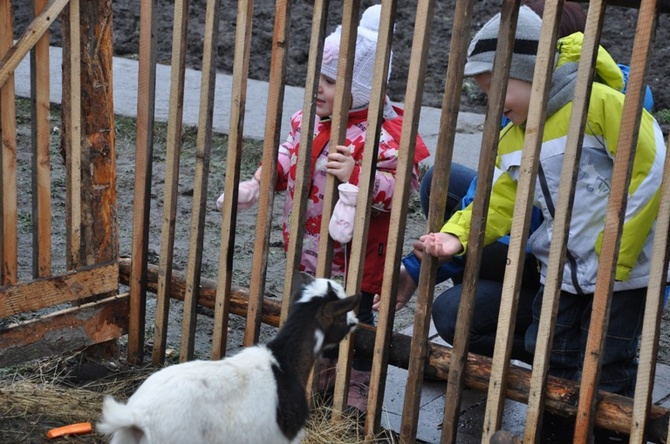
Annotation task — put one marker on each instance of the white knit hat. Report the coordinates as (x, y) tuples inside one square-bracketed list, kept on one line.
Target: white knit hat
[(483, 46), (364, 61)]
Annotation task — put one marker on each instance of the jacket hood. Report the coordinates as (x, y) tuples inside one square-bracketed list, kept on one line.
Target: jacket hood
[(607, 71)]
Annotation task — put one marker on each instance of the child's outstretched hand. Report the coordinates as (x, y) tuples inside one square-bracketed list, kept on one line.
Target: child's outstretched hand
[(340, 163), (442, 245), (248, 191)]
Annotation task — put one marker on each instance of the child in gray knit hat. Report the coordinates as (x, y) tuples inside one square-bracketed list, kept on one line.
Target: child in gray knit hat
[(345, 163), (598, 150)]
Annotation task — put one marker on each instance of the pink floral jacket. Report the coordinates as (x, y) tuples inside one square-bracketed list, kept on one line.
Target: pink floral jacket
[(387, 161)]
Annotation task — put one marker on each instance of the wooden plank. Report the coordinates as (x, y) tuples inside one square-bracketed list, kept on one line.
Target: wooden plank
[(72, 132), (270, 308), (9, 220), (53, 290), (563, 214), (303, 166), (203, 149), (649, 341), (41, 140), (442, 165), (64, 331), (233, 159), (525, 196), (33, 32), (404, 172), (146, 98), (480, 204), (616, 211), (173, 149), (274, 113), (341, 106)]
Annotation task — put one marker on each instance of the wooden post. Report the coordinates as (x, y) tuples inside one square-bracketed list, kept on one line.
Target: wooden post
[(88, 110)]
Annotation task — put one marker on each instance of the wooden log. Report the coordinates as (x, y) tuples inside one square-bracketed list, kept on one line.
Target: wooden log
[(614, 412), (207, 294)]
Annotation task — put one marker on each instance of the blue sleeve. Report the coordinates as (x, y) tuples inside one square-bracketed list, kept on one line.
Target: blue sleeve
[(648, 96)]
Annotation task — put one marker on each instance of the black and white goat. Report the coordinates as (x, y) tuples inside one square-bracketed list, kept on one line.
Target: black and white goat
[(256, 396)]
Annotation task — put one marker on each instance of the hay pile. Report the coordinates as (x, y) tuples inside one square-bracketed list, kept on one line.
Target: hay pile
[(51, 393)]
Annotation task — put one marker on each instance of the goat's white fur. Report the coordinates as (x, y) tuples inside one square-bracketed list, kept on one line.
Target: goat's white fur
[(228, 401), (195, 396)]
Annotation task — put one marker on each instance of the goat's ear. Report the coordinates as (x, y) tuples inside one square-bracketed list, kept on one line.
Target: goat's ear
[(341, 306), (299, 280)]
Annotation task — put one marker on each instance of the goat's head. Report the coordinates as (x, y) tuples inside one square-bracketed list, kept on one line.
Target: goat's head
[(334, 315)]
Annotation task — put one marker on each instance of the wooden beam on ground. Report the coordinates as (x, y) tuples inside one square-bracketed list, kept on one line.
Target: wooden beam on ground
[(64, 331), (270, 310)]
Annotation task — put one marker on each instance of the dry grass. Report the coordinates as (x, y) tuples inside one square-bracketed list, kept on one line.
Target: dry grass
[(50, 393)]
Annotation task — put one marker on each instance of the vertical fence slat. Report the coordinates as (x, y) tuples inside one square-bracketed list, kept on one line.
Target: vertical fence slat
[(659, 262), (442, 167), (649, 342), (275, 108), (508, 21), (172, 155), (564, 204), (72, 118), (303, 166), (233, 159), (621, 176), (41, 165), (32, 34), (367, 180), (521, 220), (202, 154), (8, 249), (144, 134), (341, 105)]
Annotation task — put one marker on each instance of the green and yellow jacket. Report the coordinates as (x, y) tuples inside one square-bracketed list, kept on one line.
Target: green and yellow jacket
[(601, 135)]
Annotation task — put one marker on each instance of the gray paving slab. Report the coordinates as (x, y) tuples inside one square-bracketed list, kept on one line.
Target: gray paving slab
[(125, 75)]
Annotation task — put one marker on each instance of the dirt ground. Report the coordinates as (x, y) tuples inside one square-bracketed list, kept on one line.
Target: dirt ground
[(616, 37)]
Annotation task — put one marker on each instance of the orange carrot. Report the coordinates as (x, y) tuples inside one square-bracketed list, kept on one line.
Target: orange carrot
[(72, 429)]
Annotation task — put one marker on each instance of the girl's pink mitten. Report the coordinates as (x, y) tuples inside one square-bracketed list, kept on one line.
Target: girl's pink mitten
[(341, 226), (247, 196)]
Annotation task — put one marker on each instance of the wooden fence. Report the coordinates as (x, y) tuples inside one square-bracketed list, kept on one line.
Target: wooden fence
[(84, 303)]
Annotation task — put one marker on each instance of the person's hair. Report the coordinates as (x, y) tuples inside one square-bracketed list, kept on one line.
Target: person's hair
[(572, 20)]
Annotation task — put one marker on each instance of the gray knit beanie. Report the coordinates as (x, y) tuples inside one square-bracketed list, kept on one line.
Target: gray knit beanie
[(364, 61), (483, 46)]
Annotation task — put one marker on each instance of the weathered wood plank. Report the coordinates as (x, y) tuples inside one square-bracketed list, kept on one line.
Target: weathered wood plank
[(207, 294), (41, 140), (8, 191), (32, 34), (64, 331), (146, 98), (49, 291), (238, 104)]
